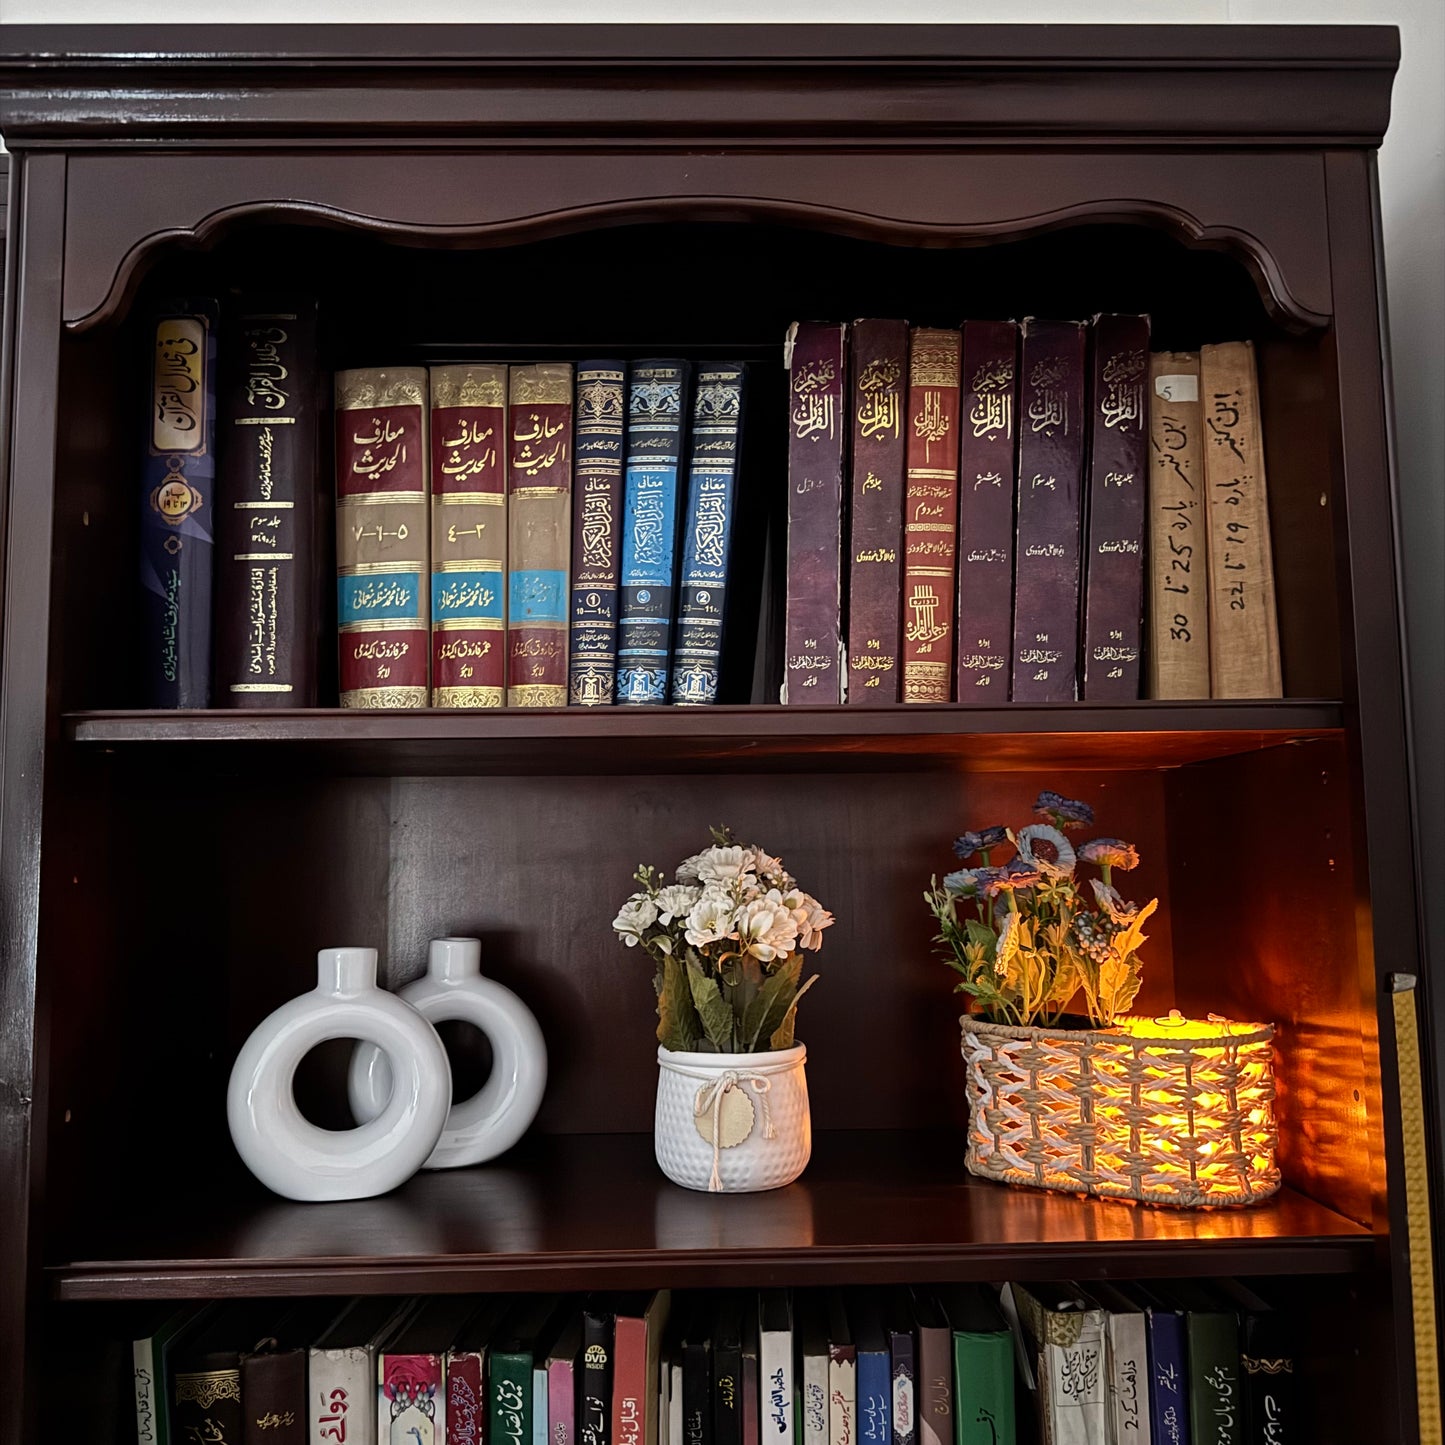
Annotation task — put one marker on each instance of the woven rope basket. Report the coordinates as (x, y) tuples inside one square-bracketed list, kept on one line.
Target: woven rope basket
[(1127, 1112)]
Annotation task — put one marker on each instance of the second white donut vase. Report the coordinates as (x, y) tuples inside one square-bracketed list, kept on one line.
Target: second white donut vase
[(499, 1113), (400, 1081)]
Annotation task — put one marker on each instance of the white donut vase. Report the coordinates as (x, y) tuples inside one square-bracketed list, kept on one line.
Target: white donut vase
[(294, 1157), (500, 1112)]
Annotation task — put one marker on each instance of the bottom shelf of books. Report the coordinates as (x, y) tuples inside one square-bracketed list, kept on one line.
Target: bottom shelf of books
[(965, 1364)]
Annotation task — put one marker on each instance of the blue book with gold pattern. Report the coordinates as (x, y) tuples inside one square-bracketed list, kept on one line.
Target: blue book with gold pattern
[(656, 423), (177, 503), (707, 529), (597, 457)]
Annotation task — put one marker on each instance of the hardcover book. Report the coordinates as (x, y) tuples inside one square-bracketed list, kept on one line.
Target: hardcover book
[(875, 537), (468, 535), (875, 1370), (594, 1405), (752, 1380), (411, 1400), (1118, 468), (1126, 1359), (983, 1367), (539, 532), (511, 1394), (989, 433), (707, 532), (382, 556), (341, 1372), (1267, 1369), (1047, 545), (934, 1391), (464, 1374), (1168, 1373), (563, 1378), (812, 1413), (273, 1376), (1067, 1337), (153, 1360), (637, 1344), (813, 639), (697, 1403), (206, 1399), (268, 574), (842, 1376), (1176, 659), (1211, 1335), (656, 415), (930, 514), (596, 536), (1243, 625), (177, 501), (903, 1354), (727, 1354), (775, 1358)]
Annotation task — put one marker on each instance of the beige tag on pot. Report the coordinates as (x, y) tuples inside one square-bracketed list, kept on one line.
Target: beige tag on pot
[(736, 1117)]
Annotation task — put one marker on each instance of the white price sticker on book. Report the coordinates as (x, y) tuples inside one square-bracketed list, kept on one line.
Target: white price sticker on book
[(1179, 386)]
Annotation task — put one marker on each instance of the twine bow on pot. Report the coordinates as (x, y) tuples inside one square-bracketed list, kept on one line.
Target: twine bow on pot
[(711, 1096)]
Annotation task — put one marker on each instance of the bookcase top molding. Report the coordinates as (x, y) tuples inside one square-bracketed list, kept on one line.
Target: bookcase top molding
[(1103, 85)]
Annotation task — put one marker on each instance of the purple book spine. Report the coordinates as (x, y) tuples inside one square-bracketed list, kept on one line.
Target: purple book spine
[(986, 509), (875, 542), (1047, 546), (817, 420), (1118, 478)]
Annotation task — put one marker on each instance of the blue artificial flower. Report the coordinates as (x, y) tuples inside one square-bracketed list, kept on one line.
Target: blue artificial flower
[(1061, 865), (1110, 852), (964, 883), (1113, 903), (1063, 812), (1017, 874), (971, 843)]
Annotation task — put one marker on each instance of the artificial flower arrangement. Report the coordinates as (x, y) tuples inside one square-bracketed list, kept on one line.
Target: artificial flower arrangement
[(726, 941), (1028, 933)]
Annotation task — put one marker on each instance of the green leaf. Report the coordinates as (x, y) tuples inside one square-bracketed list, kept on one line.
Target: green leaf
[(712, 1008), (782, 1036), (765, 1013), (678, 1026), (981, 934)]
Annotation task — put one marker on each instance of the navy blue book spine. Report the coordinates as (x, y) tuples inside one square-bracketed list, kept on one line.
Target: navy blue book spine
[(597, 457), (875, 1397), (1168, 1379), (717, 413), (177, 505), (656, 424)]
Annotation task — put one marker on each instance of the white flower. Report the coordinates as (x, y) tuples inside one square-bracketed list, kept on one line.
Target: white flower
[(771, 870), (711, 918), (675, 901), (766, 927), (687, 869), (637, 915), (809, 916), (727, 865)]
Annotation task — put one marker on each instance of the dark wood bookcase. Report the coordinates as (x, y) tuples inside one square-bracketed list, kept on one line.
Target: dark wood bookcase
[(166, 878)]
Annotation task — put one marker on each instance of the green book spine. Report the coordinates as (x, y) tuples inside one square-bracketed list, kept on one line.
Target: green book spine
[(509, 1398), (1215, 1402), (983, 1388)]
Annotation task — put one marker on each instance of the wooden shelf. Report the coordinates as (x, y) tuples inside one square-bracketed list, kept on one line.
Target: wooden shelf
[(1141, 735), (593, 1211)]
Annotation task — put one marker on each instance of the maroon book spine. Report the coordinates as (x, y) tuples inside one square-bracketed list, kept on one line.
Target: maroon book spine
[(273, 1399), (1047, 545), (466, 1398), (813, 657), (930, 515), (986, 509), (1118, 471), (875, 541)]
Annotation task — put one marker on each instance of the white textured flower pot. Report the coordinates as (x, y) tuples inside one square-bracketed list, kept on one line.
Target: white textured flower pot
[(732, 1123), (294, 1157), (499, 1113)]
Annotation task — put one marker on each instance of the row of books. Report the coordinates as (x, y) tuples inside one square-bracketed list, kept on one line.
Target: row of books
[(468, 575), (900, 1366), (973, 514)]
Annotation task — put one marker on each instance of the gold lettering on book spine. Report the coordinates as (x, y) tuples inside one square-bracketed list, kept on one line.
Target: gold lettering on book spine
[(205, 1388), (537, 695), (390, 698)]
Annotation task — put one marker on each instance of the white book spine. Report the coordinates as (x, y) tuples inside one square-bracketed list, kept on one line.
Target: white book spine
[(843, 1400), (1077, 1384), (540, 1424), (815, 1400), (674, 1403), (147, 1407), (341, 1386), (775, 1363), (1129, 1379)]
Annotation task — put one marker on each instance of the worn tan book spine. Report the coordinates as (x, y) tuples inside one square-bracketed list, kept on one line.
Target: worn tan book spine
[(469, 535), (1243, 622), (539, 527), (382, 468), (1176, 655)]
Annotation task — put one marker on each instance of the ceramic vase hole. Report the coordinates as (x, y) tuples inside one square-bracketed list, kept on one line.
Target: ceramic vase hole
[(469, 1051), (319, 1084)]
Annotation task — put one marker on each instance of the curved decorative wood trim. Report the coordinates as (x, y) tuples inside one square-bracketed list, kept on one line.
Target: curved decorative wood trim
[(1279, 300)]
